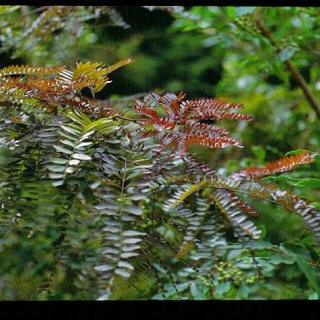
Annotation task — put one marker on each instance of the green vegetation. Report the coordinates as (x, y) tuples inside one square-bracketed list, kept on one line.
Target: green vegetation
[(127, 170)]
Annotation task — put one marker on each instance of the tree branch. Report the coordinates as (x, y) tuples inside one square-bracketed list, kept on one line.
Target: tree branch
[(290, 66)]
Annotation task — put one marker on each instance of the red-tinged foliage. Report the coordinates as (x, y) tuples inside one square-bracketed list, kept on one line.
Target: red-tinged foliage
[(182, 121), (277, 166), (243, 205)]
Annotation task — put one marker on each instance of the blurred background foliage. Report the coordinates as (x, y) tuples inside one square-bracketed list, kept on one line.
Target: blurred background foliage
[(205, 51)]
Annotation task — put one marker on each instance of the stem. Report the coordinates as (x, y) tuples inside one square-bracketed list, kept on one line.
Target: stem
[(304, 86), (290, 66)]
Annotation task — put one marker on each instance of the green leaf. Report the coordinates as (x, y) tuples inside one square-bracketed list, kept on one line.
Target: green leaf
[(298, 151), (56, 168), (87, 134), (282, 178), (57, 183), (295, 250), (70, 170), (262, 245), (62, 149), (135, 197), (102, 206), (71, 130), (68, 136), (59, 160), (122, 272), (131, 240), (47, 134), (73, 162), (113, 237), (196, 293), (278, 258), (308, 182), (68, 143), (309, 273), (130, 233), (111, 250), (222, 287), (56, 175), (81, 156), (301, 256), (105, 267), (113, 229), (130, 247), (133, 209), (84, 144), (95, 184), (126, 255), (124, 264), (135, 174)]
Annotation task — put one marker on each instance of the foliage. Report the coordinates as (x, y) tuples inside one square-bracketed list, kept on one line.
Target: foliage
[(111, 199), (112, 169)]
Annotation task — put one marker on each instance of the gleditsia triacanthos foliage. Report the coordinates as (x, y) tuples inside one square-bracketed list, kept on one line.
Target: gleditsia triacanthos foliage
[(70, 157)]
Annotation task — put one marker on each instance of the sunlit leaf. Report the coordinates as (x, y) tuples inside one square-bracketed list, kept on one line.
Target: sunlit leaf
[(132, 233), (105, 267), (81, 156), (122, 272), (131, 240), (62, 149), (124, 264), (133, 209)]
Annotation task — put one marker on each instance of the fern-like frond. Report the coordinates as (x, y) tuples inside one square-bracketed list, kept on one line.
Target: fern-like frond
[(243, 205), (182, 126), (31, 71), (75, 140), (145, 111), (97, 72), (194, 221), (277, 166), (205, 137), (49, 88), (210, 104), (290, 201), (194, 166), (118, 65), (244, 229), (117, 210), (183, 192)]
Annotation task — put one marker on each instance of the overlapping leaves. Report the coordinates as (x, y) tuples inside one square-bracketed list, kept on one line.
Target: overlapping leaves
[(182, 123)]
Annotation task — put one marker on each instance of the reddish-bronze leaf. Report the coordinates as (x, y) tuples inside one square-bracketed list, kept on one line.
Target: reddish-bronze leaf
[(280, 165), (145, 110), (182, 121)]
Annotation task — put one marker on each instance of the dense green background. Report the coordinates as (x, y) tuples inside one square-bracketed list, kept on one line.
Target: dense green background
[(205, 52)]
